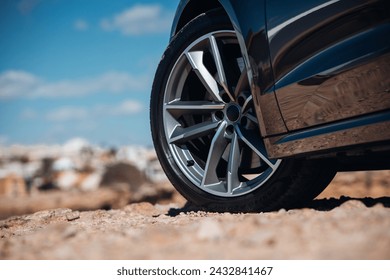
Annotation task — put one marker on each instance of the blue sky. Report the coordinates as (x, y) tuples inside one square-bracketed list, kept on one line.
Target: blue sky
[(79, 68)]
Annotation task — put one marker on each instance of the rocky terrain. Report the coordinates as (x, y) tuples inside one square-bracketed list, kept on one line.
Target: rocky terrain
[(138, 218)]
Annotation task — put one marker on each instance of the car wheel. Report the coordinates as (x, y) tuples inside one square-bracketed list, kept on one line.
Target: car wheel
[(206, 133)]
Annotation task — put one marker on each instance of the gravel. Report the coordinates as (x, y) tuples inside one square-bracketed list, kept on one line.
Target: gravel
[(353, 226)]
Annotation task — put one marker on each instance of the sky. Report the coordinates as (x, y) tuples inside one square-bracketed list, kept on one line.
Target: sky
[(79, 68)]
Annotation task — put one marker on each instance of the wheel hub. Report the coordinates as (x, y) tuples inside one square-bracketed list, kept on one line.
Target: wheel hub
[(233, 112)]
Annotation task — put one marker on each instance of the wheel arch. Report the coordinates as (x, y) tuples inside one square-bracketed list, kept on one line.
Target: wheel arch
[(190, 9)]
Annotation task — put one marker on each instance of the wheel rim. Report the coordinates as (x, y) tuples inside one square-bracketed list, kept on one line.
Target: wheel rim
[(209, 119)]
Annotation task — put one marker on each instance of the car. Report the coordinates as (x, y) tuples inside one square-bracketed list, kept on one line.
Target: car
[(257, 104)]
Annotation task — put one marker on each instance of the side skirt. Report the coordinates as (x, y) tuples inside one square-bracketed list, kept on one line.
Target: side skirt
[(368, 130)]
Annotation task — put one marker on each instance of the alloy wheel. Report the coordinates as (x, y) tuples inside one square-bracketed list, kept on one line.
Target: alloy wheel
[(209, 119)]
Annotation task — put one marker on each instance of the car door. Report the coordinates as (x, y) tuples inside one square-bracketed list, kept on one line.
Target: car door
[(330, 59)]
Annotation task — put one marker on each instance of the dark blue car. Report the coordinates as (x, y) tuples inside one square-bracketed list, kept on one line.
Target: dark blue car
[(257, 104)]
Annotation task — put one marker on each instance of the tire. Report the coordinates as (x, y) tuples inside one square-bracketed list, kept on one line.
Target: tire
[(206, 133)]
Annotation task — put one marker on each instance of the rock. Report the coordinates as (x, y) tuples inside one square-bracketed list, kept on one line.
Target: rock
[(143, 208), (353, 204), (91, 182), (209, 229), (71, 216), (66, 180), (123, 176), (12, 186), (63, 163), (49, 214)]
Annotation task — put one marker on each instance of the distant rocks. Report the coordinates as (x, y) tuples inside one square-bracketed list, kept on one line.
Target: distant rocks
[(12, 186), (78, 169), (76, 164), (123, 176)]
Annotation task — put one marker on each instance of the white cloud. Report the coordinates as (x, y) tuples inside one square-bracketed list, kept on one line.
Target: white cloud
[(127, 107), (16, 84), (139, 19), (67, 114), (81, 25)]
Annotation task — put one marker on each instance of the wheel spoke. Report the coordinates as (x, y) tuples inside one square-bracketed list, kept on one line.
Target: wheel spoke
[(247, 101), (251, 118), (179, 108), (217, 148), (232, 179), (182, 135), (255, 144), (196, 60), (242, 83), (220, 69)]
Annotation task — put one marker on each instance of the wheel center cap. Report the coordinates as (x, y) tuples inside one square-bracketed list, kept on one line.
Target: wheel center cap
[(233, 113)]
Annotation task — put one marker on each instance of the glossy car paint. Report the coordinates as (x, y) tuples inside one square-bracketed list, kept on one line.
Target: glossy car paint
[(331, 63), (318, 70), (330, 59)]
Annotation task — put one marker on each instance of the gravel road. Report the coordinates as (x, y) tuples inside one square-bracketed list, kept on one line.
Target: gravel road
[(329, 228)]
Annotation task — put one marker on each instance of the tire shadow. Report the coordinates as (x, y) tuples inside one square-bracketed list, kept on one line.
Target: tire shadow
[(187, 208), (325, 204)]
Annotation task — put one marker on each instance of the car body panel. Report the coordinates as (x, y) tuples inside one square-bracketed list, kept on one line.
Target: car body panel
[(330, 59), (318, 70)]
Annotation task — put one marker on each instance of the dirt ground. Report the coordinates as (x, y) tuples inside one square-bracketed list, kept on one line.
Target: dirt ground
[(349, 220)]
